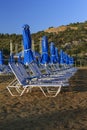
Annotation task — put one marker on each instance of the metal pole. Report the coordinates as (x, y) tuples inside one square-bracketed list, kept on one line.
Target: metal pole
[(11, 47), (40, 46), (33, 46), (16, 48)]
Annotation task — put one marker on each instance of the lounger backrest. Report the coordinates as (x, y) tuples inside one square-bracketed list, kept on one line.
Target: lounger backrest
[(23, 70), (33, 66), (20, 73)]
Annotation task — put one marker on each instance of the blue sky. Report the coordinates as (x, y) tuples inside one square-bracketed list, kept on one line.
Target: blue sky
[(40, 14)]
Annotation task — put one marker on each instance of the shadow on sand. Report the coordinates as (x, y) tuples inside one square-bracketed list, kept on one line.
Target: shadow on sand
[(60, 120), (68, 111)]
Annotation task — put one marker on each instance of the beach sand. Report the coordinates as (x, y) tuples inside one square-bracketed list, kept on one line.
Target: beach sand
[(33, 111)]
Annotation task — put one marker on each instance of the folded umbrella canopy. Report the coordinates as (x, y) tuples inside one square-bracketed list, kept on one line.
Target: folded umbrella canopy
[(57, 55), (1, 58), (28, 54), (61, 57), (53, 59), (66, 59), (71, 61), (45, 57)]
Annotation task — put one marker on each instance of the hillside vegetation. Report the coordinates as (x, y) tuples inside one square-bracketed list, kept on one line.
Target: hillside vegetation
[(71, 38)]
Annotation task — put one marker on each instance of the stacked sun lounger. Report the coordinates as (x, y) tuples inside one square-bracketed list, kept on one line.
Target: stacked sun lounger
[(4, 69), (50, 74)]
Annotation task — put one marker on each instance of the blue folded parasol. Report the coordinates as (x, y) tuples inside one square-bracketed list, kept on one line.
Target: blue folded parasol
[(53, 59), (1, 58), (57, 55), (45, 57), (61, 57), (28, 55)]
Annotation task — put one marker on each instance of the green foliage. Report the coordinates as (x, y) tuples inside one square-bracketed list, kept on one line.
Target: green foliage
[(51, 27), (5, 42)]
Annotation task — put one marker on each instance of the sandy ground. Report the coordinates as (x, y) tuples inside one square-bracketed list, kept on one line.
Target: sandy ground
[(33, 111)]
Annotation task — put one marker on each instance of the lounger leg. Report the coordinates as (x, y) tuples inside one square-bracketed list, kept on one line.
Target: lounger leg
[(50, 92), (29, 89), (25, 88), (43, 92), (11, 91), (18, 90), (23, 91), (58, 91)]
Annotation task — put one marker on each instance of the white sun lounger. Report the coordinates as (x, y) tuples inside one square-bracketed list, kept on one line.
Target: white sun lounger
[(23, 82), (63, 75)]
